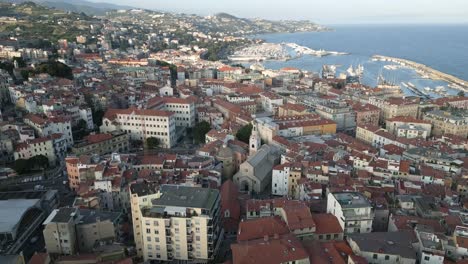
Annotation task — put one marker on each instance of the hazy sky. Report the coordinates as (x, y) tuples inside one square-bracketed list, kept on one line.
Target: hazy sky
[(322, 11)]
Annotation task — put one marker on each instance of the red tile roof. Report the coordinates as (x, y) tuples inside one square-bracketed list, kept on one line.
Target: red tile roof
[(282, 250), (260, 227), (327, 224)]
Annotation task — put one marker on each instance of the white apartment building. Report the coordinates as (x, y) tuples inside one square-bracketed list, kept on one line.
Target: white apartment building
[(271, 101), (285, 178), (176, 223), (183, 109), (54, 125), (80, 113), (35, 147), (353, 210), (279, 182), (411, 131), (142, 124)]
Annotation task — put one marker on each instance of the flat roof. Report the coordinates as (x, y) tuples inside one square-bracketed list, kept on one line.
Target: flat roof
[(185, 196), (351, 200), (11, 212)]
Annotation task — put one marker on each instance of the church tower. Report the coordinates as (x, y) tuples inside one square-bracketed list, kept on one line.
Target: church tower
[(254, 141)]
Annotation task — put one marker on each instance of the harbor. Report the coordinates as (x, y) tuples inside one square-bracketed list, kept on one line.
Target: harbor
[(278, 52), (427, 72)]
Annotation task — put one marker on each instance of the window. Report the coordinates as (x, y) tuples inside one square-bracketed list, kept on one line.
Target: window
[(148, 239), (387, 257), (375, 256), (427, 258), (148, 231)]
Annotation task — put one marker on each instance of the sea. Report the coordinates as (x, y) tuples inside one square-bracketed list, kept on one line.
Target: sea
[(442, 47)]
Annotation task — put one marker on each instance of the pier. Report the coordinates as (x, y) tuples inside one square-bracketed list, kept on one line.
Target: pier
[(430, 72)]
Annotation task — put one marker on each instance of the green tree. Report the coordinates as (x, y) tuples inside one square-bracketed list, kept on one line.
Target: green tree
[(56, 69), (40, 161), (244, 133), (22, 166), (152, 142), (461, 93), (200, 130), (25, 74), (20, 61), (80, 130)]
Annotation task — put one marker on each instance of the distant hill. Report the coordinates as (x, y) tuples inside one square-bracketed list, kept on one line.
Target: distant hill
[(78, 6)]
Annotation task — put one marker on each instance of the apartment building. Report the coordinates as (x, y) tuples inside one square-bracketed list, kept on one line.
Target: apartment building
[(176, 222), (100, 144), (142, 124), (395, 106), (39, 146), (444, 122), (48, 126), (271, 101), (183, 109), (353, 210), (340, 112), (292, 110), (285, 180), (68, 231), (366, 114), (404, 122)]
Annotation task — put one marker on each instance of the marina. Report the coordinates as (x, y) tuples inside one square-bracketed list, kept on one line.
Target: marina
[(426, 72)]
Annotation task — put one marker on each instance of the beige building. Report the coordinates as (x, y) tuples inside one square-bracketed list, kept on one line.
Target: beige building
[(176, 222), (102, 144), (142, 124), (69, 231), (35, 147), (366, 133), (292, 110), (448, 123), (395, 106), (404, 122)]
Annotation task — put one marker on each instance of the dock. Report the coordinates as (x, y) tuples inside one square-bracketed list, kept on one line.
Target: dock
[(430, 72)]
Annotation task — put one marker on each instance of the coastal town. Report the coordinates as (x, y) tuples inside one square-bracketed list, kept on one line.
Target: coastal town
[(138, 136)]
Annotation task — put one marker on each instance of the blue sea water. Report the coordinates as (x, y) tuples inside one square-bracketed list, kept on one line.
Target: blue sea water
[(442, 47)]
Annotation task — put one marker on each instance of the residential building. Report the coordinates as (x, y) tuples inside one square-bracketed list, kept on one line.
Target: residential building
[(292, 110), (68, 230), (366, 114), (285, 180), (393, 125), (384, 247), (271, 101), (395, 106), (455, 123), (430, 246), (353, 210), (176, 222), (39, 146), (183, 109), (281, 249), (48, 126), (142, 124), (100, 144), (339, 112)]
